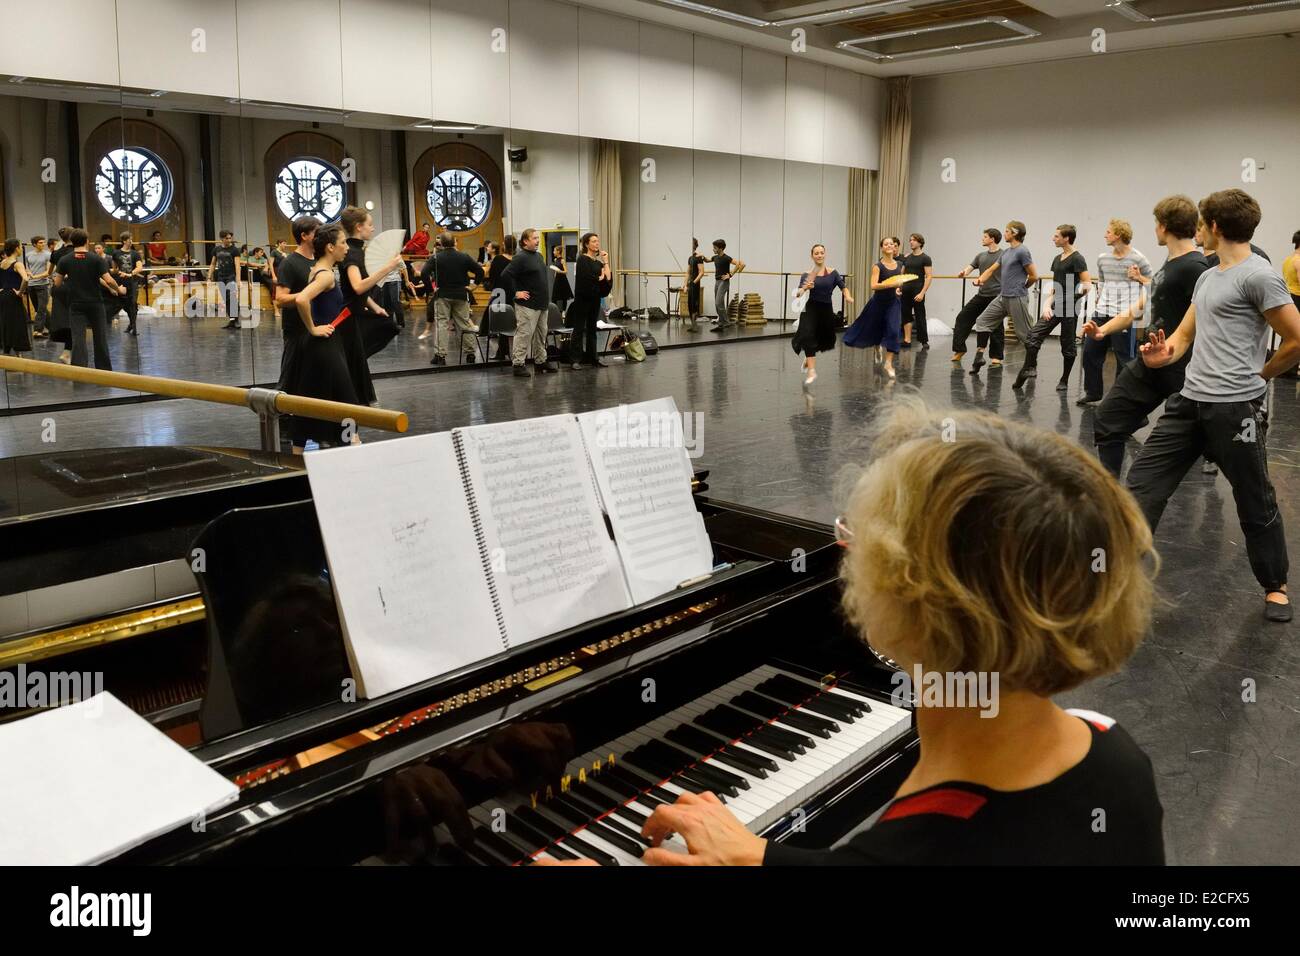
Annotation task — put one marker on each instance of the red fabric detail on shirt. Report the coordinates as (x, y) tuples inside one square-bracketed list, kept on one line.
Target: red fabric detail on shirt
[(950, 803)]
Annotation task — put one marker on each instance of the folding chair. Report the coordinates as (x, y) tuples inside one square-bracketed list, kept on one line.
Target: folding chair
[(497, 320)]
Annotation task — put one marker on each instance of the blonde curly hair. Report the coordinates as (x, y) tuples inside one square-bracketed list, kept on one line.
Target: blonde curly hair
[(996, 547)]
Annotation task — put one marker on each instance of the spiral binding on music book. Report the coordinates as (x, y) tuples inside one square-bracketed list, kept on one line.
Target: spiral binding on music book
[(458, 443)]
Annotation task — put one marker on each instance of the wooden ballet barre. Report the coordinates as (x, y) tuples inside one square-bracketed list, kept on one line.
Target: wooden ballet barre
[(269, 403)]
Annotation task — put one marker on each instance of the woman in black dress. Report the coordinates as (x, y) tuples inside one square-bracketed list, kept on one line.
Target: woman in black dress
[(816, 332), (880, 324), (14, 335), (561, 292), (317, 366), (694, 294), (373, 329), (593, 281)]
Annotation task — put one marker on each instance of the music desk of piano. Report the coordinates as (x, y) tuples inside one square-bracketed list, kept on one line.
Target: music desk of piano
[(194, 580)]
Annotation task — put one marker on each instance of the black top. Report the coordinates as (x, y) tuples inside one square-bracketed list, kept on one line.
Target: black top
[(915, 265), (722, 263), (293, 274), (694, 266), (277, 259), (1102, 811), (1172, 288), (587, 283), (451, 269), (127, 261), (356, 257), (1067, 275), (824, 286), (224, 257), (527, 273), (81, 272), (1213, 257), (498, 266)]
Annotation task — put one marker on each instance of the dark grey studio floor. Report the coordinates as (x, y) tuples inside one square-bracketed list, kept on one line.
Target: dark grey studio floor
[(1228, 771)]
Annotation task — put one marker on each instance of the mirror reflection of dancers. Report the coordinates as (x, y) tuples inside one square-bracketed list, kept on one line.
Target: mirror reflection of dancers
[(880, 324), (1070, 283), (816, 332), (592, 281), (318, 368), (724, 268), (694, 292)]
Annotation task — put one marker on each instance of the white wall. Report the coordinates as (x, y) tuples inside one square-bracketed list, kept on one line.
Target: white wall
[(1178, 132), (537, 65)]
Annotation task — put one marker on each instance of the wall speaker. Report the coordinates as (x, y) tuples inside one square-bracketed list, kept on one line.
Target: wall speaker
[(518, 155)]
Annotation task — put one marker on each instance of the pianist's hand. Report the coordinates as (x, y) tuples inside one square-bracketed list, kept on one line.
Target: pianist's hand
[(416, 800), (712, 833)]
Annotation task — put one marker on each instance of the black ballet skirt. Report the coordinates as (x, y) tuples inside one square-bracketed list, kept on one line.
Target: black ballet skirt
[(353, 333), (818, 324), (561, 291), (318, 368), (881, 320), (14, 333)]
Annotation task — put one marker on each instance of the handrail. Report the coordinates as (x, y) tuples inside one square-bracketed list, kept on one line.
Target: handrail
[(269, 403)]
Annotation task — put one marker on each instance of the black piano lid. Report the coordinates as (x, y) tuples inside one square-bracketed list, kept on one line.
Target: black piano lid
[(71, 515), (749, 593)]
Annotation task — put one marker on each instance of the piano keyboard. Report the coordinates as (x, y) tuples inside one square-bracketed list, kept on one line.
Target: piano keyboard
[(765, 743)]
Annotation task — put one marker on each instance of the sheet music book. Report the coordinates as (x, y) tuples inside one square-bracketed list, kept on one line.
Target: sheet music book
[(105, 774), (485, 538)]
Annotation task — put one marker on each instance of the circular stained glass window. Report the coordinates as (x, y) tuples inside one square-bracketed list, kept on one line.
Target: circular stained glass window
[(459, 199), (133, 184), (310, 187)]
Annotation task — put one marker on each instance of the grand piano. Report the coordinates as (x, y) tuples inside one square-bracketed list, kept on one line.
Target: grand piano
[(194, 580)]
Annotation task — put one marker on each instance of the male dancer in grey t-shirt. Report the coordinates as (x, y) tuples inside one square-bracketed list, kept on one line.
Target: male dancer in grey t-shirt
[(1016, 270), (1220, 411)]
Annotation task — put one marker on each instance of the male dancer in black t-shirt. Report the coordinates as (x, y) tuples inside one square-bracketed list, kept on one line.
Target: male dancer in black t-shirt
[(130, 267), (224, 265), (1138, 389), (86, 277), (912, 295), (1070, 282), (291, 276)]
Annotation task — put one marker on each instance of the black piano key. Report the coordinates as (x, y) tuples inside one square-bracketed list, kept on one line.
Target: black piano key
[(564, 838), (560, 853), (610, 817), (479, 853), (698, 742), (798, 743), (499, 845), (650, 765), (648, 789), (775, 710), (783, 685), (725, 777), (719, 723), (533, 840), (609, 831)]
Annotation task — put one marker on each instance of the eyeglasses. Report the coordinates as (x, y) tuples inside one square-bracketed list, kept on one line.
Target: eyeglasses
[(843, 533)]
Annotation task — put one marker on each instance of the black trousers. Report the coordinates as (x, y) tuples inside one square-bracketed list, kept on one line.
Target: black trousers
[(582, 318), (1138, 391), (129, 302), (1043, 328), (92, 316), (965, 322), (1232, 435), (1123, 344), (230, 298), (914, 314)]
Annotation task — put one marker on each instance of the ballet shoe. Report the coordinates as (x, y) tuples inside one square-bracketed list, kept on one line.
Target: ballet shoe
[(1276, 612)]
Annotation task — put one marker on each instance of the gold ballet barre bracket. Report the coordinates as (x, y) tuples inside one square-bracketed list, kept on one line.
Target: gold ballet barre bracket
[(268, 403)]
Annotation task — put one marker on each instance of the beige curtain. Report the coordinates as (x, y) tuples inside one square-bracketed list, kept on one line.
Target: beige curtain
[(862, 232), (895, 148), (607, 186)]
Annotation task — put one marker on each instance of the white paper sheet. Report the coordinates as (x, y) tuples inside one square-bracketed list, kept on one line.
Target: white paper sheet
[(383, 247), (554, 563), (408, 578), (84, 782), (644, 476)]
